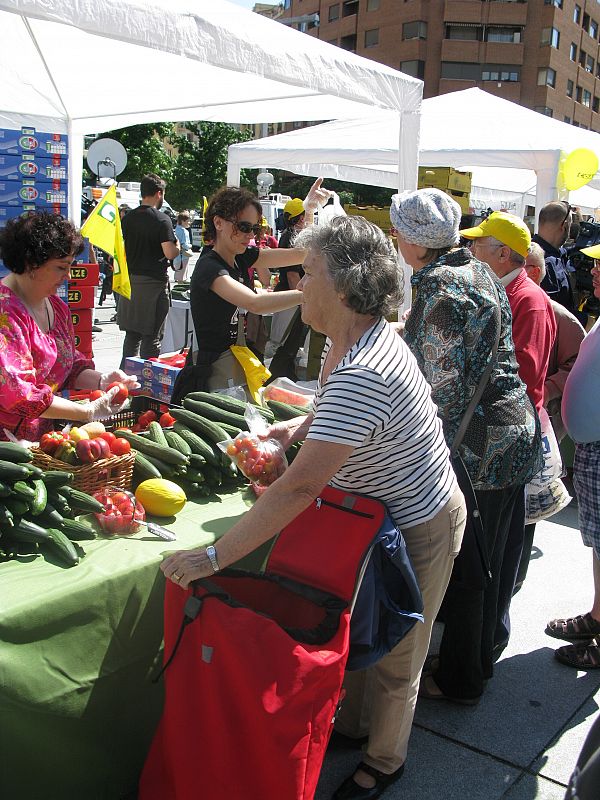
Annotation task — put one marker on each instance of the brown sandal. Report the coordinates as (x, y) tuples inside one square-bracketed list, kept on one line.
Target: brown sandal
[(576, 629), (580, 656)]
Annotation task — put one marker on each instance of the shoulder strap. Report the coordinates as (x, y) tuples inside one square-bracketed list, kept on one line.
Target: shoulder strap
[(464, 424)]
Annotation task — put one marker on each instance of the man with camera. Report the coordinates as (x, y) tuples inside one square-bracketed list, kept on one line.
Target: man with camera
[(554, 224)]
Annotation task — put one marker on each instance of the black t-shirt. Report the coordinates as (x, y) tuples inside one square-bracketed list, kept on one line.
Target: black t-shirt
[(286, 240), (144, 231), (216, 320)]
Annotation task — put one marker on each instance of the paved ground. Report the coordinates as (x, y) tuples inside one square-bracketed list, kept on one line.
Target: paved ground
[(522, 740)]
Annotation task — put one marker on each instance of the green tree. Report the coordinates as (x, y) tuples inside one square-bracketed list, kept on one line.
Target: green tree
[(145, 150), (298, 185)]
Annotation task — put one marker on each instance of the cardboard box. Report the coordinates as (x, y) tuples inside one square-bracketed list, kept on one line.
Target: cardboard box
[(63, 291), (15, 193), (164, 395), (152, 373), (86, 274), (82, 319), (28, 140), (444, 178), (12, 211), (83, 341), (31, 167), (80, 296)]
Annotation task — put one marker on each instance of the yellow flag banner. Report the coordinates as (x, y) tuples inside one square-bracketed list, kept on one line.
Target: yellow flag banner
[(103, 229)]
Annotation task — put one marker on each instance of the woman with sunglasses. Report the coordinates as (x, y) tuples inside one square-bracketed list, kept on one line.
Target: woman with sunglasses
[(221, 285)]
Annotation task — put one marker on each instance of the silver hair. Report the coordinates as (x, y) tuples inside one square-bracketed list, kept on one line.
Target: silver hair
[(361, 261), (515, 258), (536, 250)]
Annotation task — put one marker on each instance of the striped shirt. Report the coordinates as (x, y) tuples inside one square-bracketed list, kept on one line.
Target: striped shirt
[(377, 400)]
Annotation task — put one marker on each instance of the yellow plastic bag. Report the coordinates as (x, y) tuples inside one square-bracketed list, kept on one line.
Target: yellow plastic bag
[(255, 371)]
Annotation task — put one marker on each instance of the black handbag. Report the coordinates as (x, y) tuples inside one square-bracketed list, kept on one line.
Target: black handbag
[(471, 568)]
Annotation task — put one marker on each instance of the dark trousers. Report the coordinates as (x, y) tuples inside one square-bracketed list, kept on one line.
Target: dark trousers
[(135, 344), (283, 363), (525, 556), (472, 616)]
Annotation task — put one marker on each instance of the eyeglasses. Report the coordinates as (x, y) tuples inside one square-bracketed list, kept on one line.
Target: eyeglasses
[(570, 208), (243, 226)]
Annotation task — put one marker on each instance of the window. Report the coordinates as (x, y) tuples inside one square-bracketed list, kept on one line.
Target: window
[(578, 92), (577, 14), (349, 7), (468, 33), (545, 110), (585, 22), (589, 64), (372, 5), (460, 71), (414, 68), (596, 104), (546, 77), (550, 36), (568, 120), (573, 52), (372, 37), (499, 72), (587, 98), (334, 12), (504, 34), (582, 57), (570, 88), (557, 3), (593, 29), (348, 42), (414, 30)]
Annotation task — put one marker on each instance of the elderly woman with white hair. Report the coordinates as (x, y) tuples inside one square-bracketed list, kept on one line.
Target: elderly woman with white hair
[(451, 330), (373, 431)]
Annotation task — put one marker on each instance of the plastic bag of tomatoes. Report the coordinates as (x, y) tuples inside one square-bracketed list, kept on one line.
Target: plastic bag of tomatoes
[(123, 512), (262, 461)]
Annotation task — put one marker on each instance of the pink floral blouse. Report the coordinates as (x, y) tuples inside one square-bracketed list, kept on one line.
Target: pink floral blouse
[(33, 365)]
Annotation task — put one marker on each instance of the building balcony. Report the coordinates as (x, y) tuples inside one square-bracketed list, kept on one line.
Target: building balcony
[(459, 50), (505, 13), (502, 53), (464, 10)]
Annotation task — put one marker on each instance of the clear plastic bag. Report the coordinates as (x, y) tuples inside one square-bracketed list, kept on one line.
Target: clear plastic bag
[(332, 209), (285, 390), (262, 461)]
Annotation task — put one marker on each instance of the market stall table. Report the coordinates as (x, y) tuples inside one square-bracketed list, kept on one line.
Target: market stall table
[(78, 650)]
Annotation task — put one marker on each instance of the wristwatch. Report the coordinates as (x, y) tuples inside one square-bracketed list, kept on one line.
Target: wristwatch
[(212, 557)]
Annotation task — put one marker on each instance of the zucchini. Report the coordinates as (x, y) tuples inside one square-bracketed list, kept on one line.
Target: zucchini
[(227, 403), (207, 428), (57, 478), (23, 490), (77, 530), (209, 411), (26, 531), (150, 448), (58, 545), (197, 443), (40, 498), (80, 500), (144, 468), (13, 472), (177, 443), (156, 434), (10, 451)]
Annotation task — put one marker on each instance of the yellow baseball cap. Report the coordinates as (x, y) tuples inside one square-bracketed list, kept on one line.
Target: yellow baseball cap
[(592, 252), (294, 207), (507, 228)]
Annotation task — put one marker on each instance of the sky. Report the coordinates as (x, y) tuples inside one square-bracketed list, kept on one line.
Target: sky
[(249, 3)]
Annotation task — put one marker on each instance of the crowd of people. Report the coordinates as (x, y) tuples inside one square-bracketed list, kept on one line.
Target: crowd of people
[(440, 417)]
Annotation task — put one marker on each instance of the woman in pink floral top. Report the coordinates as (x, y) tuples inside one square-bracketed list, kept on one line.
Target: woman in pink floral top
[(37, 352)]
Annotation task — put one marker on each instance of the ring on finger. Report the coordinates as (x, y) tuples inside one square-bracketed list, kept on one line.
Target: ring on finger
[(176, 577)]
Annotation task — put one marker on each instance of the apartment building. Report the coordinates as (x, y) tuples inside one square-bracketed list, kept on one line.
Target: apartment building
[(542, 54)]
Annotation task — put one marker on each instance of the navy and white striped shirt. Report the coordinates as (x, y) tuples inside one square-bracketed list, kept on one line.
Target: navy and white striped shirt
[(377, 400)]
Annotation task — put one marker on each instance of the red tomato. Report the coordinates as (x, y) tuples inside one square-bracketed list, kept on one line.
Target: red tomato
[(121, 395), (119, 497), (120, 447), (96, 394), (232, 449), (108, 437), (166, 420), (146, 418)]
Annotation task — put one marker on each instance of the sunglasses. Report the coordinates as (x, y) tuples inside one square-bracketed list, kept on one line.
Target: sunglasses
[(570, 208), (243, 226)]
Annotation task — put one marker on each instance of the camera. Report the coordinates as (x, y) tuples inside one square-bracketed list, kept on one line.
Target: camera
[(588, 235)]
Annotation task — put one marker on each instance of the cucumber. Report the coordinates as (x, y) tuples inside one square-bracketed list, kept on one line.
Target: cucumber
[(23, 490), (34, 472), (209, 411), (13, 472), (17, 506), (50, 517), (283, 411), (77, 530), (144, 468), (175, 441), (197, 443), (150, 448), (156, 434), (227, 403), (212, 475), (10, 451), (6, 517), (40, 498), (80, 500), (232, 430), (207, 428), (58, 545), (59, 502), (166, 470), (57, 478), (5, 490), (26, 531)]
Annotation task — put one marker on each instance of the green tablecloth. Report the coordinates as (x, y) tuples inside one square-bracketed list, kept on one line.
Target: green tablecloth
[(78, 648)]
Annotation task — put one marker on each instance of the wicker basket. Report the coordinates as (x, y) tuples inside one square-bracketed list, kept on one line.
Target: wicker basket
[(115, 471)]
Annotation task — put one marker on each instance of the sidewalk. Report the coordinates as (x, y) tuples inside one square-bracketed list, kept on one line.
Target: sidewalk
[(522, 741)]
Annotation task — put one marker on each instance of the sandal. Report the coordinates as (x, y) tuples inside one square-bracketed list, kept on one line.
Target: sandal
[(350, 790), (581, 628), (580, 656), (429, 689)]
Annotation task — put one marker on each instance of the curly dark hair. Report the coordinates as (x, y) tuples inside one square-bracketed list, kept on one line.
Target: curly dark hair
[(29, 241), (228, 203)]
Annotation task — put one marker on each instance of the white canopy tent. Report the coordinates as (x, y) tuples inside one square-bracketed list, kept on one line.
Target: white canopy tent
[(93, 65), (470, 127)]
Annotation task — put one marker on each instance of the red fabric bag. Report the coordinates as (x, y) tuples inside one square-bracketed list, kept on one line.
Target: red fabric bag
[(252, 690)]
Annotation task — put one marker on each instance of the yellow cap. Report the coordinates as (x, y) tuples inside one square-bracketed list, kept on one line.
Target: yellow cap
[(506, 228), (592, 252), (294, 207)]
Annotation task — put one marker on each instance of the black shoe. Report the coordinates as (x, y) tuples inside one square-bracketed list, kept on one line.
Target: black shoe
[(339, 741), (350, 790)]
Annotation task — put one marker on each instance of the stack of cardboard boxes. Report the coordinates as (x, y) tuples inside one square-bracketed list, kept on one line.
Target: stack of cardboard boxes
[(80, 297), (456, 184), (156, 378)]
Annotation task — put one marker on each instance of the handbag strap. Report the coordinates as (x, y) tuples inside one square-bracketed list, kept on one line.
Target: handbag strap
[(470, 410)]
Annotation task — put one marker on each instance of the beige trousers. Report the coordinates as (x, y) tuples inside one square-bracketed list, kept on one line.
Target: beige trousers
[(380, 701)]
